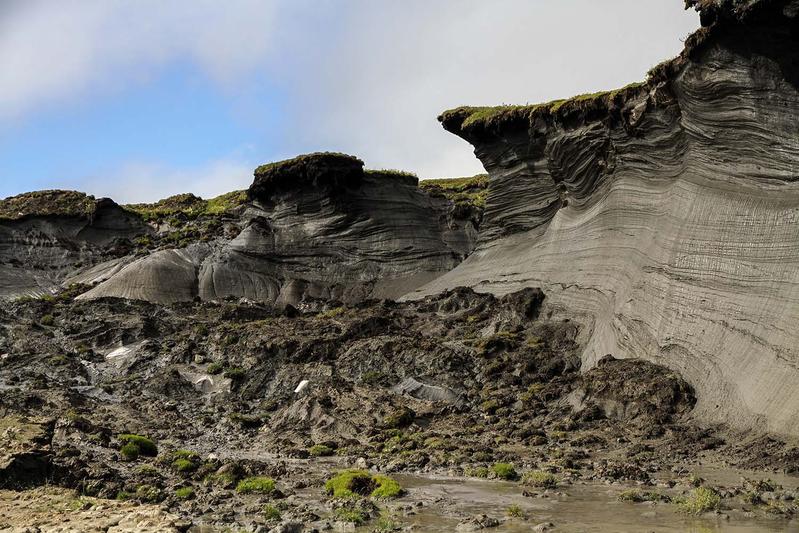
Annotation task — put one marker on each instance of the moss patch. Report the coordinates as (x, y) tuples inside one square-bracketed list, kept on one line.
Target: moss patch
[(144, 445), (353, 483), (256, 485)]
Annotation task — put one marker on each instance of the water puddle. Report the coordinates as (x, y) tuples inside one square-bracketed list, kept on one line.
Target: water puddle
[(583, 508)]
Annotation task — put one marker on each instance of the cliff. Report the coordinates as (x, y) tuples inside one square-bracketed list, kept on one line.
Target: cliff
[(664, 215), (314, 227)]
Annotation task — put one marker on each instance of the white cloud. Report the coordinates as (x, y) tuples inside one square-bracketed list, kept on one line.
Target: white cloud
[(367, 77), (52, 52), (134, 182)]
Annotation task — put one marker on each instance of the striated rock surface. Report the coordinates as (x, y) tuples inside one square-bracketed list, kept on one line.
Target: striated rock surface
[(665, 214), (46, 235), (317, 226)]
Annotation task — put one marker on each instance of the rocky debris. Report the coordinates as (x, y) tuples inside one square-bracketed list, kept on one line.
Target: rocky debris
[(645, 211), (633, 390), (476, 523)]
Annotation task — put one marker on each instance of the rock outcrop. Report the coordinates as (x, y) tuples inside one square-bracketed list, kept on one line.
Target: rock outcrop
[(46, 235), (665, 215), (314, 227)]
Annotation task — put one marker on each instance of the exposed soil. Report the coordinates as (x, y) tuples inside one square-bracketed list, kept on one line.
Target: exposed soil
[(450, 385)]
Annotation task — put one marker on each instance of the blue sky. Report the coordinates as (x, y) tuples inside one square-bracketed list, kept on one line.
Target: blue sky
[(138, 100)]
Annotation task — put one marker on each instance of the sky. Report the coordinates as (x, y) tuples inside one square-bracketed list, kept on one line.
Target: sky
[(141, 99)]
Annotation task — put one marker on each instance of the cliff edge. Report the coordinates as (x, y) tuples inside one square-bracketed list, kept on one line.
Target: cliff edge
[(665, 215)]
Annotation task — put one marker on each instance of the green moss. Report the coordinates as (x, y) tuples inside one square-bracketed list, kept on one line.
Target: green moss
[(47, 320), (271, 513), (184, 465), (350, 483), (386, 488), (129, 451), (215, 368), (256, 485), (505, 471), (320, 450), (184, 493), (540, 479), (701, 500), (146, 446)]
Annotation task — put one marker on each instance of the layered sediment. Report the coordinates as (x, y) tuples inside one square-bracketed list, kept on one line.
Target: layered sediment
[(664, 215)]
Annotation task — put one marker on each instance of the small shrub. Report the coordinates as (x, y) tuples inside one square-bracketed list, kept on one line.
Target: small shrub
[(47, 320), (123, 496), (505, 471), (214, 368), (701, 500), (271, 513), (256, 485), (320, 450), (184, 493), (146, 446), (539, 479), (514, 511), (386, 488)]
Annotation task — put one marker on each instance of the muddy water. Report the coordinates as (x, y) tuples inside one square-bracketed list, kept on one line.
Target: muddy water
[(577, 508)]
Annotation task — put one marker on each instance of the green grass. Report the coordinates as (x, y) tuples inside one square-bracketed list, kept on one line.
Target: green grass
[(320, 450), (256, 485), (47, 203), (189, 206), (492, 116), (514, 511), (505, 471), (352, 516), (146, 446), (480, 472), (469, 190), (540, 479), (638, 496), (701, 500), (184, 493), (184, 465), (271, 513)]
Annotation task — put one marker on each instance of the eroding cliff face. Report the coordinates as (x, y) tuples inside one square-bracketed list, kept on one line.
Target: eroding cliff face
[(665, 214), (46, 235), (317, 226)]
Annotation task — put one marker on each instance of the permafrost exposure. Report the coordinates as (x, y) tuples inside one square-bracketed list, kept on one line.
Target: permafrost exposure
[(601, 334), (666, 214)]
